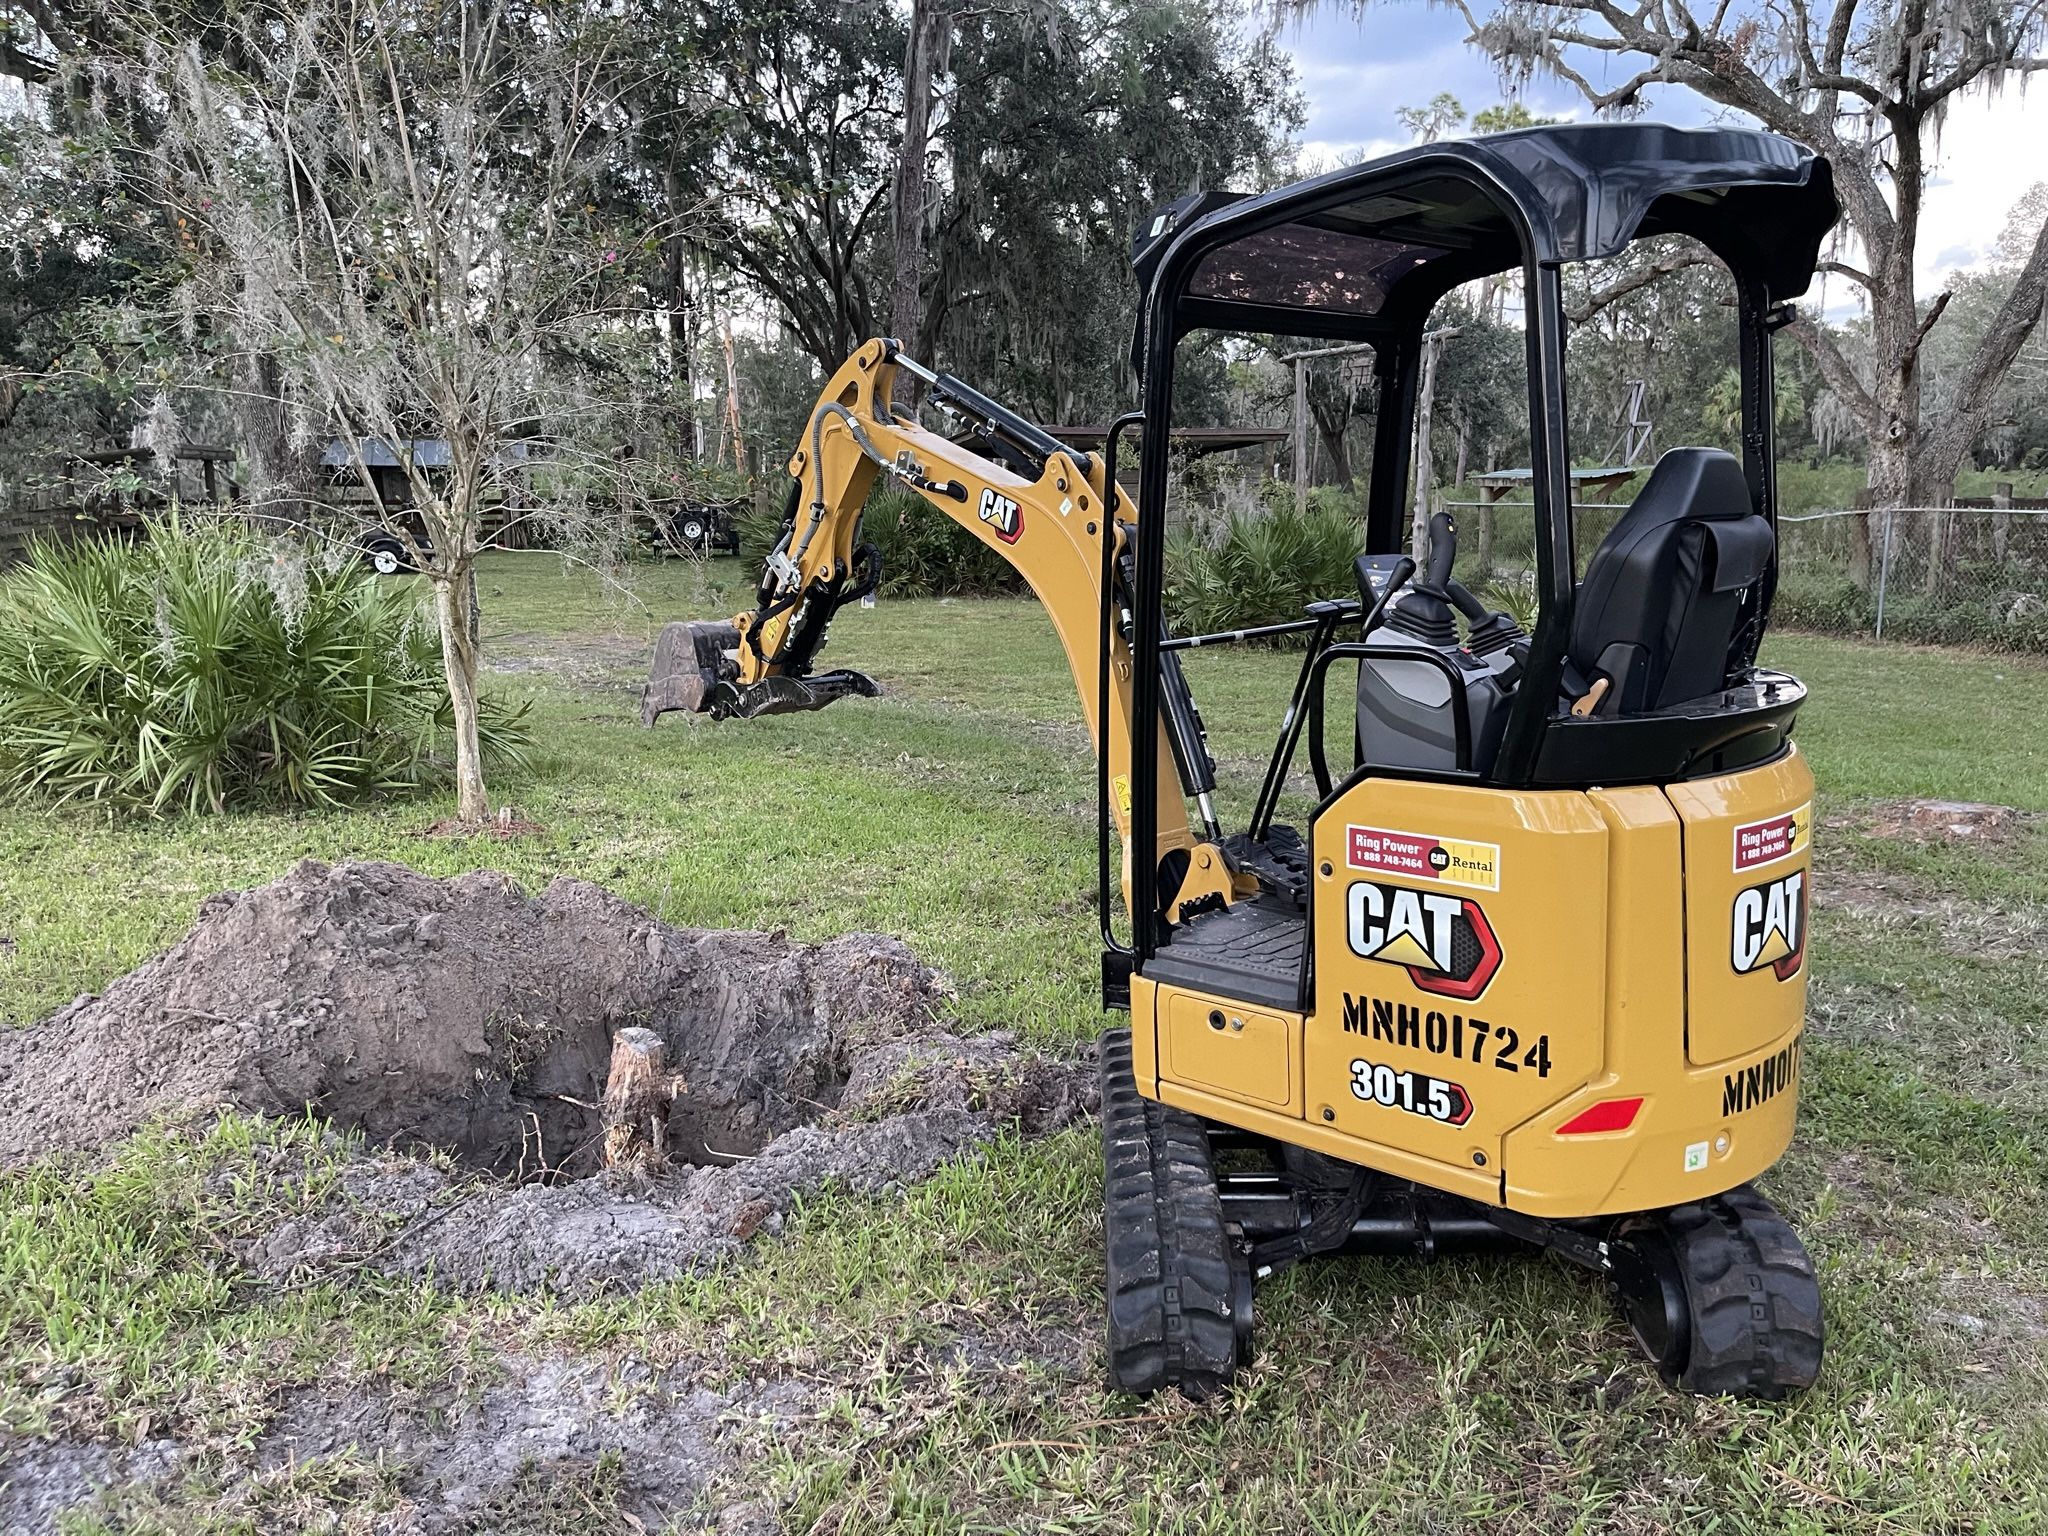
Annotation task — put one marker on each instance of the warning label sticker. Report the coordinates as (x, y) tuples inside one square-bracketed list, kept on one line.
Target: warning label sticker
[(1418, 856), (1766, 842)]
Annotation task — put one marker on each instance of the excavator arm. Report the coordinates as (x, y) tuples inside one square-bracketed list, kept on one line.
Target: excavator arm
[(1030, 498)]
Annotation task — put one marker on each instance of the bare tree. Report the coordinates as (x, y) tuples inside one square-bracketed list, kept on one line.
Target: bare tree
[(396, 201), (1866, 83)]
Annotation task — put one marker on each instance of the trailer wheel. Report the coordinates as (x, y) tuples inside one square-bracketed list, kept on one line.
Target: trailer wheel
[(387, 557)]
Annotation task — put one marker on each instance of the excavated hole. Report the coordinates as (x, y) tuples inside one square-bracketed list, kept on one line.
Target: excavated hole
[(537, 1114), (467, 1016)]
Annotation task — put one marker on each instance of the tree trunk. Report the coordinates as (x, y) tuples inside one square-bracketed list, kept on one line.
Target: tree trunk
[(906, 212), (638, 1091), (459, 659), (283, 477), (1332, 419), (681, 355)]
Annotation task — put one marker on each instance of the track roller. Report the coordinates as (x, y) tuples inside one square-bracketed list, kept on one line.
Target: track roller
[(1180, 1309), (1722, 1296)]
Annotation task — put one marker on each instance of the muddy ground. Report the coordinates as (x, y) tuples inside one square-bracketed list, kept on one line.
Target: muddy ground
[(464, 1027)]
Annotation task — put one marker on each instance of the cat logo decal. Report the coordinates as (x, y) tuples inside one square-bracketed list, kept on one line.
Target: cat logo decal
[(1443, 941), (1768, 927)]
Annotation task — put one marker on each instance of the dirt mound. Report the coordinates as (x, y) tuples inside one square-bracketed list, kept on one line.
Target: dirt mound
[(1941, 821), (467, 1016)]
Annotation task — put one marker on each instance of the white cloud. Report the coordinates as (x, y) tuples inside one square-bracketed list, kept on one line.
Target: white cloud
[(1992, 149)]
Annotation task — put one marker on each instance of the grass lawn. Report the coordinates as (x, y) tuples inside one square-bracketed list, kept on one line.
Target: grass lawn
[(1470, 1395)]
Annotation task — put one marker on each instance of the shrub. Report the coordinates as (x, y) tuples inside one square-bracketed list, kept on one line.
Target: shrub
[(924, 552), (1260, 566), (208, 665)]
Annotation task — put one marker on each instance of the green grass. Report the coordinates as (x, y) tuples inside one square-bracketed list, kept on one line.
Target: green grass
[(1465, 1396)]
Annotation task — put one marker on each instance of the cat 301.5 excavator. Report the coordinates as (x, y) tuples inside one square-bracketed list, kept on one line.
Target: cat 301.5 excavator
[(1533, 973)]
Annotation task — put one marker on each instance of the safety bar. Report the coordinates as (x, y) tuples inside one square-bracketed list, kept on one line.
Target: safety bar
[(1319, 670), (1328, 615), (1317, 620), (1105, 622)]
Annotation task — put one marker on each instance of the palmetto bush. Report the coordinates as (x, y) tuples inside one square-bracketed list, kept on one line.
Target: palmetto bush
[(1261, 566), (208, 666)]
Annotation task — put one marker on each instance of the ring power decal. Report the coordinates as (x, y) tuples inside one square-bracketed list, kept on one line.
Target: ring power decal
[(1768, 927), (1444, 942), (1002, 515), (1433, 1098), (1758, 843), (1422, 857)]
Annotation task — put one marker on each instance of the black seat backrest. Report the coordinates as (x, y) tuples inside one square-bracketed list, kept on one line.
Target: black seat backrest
[(1671, 585)]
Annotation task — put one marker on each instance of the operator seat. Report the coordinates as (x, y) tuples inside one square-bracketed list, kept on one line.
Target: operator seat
[(1671, 587)]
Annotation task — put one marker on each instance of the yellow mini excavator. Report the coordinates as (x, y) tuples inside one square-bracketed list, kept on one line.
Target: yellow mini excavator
[(1533, 973)]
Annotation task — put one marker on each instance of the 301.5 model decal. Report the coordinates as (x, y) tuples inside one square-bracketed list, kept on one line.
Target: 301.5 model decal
[(1433, 1098)]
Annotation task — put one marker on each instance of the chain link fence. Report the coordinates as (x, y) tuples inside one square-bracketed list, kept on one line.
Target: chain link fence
[(1959, 575), (1973, 574)]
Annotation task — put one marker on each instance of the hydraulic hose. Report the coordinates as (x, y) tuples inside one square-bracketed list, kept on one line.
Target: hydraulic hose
[(952, 489)]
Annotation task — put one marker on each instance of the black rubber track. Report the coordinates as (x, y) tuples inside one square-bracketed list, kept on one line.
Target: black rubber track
[(1753, 1297), (1170, 1282)]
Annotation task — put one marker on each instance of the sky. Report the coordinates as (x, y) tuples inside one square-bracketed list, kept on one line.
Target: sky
[(1356, 72)]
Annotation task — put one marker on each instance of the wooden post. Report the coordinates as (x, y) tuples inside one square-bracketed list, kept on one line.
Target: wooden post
[(1300, 435), (638, 1091), (1425, 401)]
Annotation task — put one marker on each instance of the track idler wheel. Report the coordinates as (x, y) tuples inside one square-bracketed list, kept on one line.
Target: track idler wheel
[(1180, 1292), (1722, 1296)]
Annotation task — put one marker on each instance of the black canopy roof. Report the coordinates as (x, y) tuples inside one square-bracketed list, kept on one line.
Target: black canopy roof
[(1370, 248)]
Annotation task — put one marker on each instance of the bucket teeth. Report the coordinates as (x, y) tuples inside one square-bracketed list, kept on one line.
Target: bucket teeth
[(791, 695), (691, 662)]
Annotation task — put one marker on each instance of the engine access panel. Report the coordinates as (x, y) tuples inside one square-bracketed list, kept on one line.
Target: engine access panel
[(1460, 965)]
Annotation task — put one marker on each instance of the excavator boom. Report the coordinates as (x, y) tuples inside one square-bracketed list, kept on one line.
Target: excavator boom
[(1036, 502)]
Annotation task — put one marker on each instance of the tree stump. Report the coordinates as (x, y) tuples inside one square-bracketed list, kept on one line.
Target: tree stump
[(638, 1091)]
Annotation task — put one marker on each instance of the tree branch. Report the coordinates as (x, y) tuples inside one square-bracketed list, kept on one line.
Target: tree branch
[(1834, 367), (1621, 288), (2008, 332)]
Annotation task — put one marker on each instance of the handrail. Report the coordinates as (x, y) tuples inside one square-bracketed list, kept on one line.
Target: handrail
[(1345, 608), (1104, 624), (1461, 724)]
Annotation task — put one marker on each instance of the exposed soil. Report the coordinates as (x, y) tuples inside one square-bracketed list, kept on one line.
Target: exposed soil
[(464, 1027), (652, 1445), (467, 1016), (504, 827), (1971, 929), (1940, 821)]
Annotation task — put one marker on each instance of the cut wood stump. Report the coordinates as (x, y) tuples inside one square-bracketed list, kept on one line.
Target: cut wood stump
[(638, 1091)]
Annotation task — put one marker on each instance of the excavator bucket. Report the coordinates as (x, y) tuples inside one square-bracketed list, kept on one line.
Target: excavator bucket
[(694, 670), (690, 662)]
